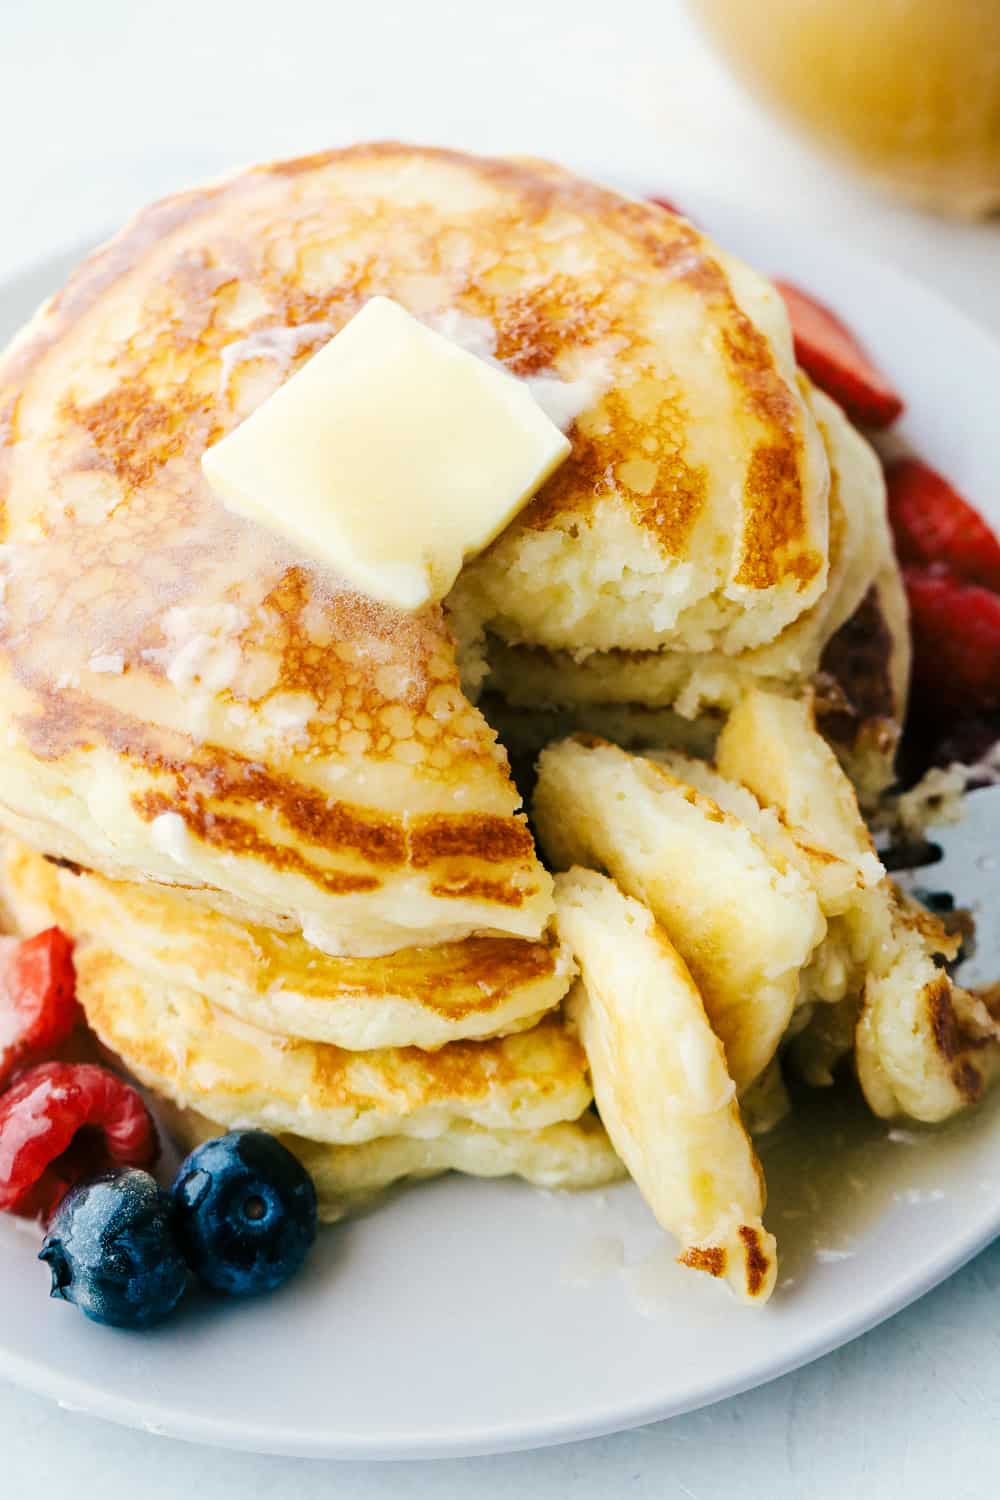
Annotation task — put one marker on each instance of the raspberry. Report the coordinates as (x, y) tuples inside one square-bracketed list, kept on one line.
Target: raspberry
[(932, 523), (60, 1122), (38, 1008), (956, 642), (831, 355)]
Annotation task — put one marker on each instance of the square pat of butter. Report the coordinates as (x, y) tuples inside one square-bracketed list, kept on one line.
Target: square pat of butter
[(390, 456)]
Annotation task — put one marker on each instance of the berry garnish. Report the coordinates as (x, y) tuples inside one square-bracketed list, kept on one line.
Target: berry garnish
[(38, 1007), (61, 1121), (245, 1212), (831, 355), (111, 1249), (931, 523), (667, 203), (956, 642)]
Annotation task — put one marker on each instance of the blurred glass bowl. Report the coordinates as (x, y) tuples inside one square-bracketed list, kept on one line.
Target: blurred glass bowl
[(907, 90)]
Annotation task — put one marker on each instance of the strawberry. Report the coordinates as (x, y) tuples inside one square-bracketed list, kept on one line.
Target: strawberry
[(666, 203), (956, 642), (61, 1122), (38, 1007), (831, 355), (933, 524)]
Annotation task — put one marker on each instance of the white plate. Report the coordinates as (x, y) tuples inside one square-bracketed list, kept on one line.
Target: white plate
[(471, 1317)]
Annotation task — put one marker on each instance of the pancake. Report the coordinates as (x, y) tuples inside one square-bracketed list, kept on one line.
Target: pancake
[(693, 681), (924, 1046), (740, 914), (693, 510), (661, 1082), (574, 1154), (174, 1041), (422, 997)]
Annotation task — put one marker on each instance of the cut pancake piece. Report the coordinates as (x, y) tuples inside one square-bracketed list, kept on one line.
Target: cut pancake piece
[(573, 1154), (771, 747), (662, 1087), (834, 879), (850, 887), (202, 1058), (924, 1047), (421, 997), (744, 921), (771, 744)]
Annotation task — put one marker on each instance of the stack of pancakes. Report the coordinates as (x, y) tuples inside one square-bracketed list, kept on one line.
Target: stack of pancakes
[(270, 810)]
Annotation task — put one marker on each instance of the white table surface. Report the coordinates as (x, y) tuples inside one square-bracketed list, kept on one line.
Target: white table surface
[(106, 104)]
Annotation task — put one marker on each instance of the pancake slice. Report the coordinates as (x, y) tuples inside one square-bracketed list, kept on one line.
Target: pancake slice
[(744, 919), (421, 997), (574, 1154), (770, 743), (662, 1086), (177, 1043), (772, 747), (924, 1046)]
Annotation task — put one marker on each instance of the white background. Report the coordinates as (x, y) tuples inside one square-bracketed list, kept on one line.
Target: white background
[(106, 103)]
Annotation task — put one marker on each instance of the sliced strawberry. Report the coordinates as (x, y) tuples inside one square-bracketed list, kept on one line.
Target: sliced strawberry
[(60, 1122), (666, 203), (831, 355), (38, 1007), (933, 524), (956, 642)]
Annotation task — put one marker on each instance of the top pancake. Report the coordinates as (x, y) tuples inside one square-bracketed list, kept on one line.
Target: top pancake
[(186, 701), (190, 701)]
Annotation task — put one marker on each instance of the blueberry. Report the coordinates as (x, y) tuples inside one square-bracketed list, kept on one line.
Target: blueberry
[(245, 1210), (112, 1250)]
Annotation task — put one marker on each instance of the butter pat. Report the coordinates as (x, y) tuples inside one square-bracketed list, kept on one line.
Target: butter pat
[(390, 457)]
